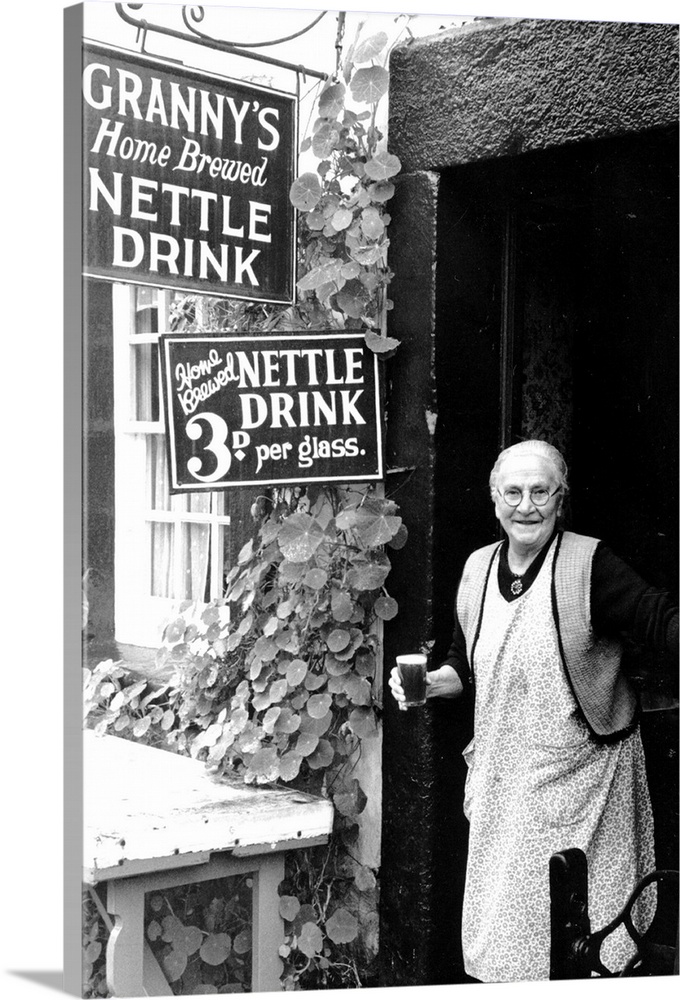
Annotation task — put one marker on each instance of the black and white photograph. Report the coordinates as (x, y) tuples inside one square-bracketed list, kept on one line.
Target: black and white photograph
[(369, 502)]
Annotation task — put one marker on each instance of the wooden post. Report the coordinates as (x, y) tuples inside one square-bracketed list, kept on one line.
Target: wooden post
[(268, 932), (125, 950)]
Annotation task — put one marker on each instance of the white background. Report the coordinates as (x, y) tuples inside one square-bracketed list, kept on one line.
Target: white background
[(31, 373)]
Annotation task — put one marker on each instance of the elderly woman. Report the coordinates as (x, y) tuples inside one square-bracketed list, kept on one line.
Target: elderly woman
[(556, 760)]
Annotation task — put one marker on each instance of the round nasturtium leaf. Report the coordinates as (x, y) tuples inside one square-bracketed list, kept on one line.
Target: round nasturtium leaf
[(370, 48), (270, 719), (353, 299), (362, 722), (287, 722), (315, 681), (325, 140), (400, 539), (318, 705), (382, 166), (300, 537), (338, 640), (289, 765), (172, 927), (289, 907), (342, 219), (375, 528), (322, 756), (316, 220), (175, 630), (367, 576), (364, 879), (265, 764), (342, 606), (365, 663), (188, 941), (309, 724), (306, 744), (380, 345), (174, 964), (335, 667), (359, 690), (305, 192), (279, 690), (381, 191), (342, 926), (369, 85), (372, 226), (386, 608), (310, 940), (243, 942), (296, 672), (332, 101), (215, 949), (154, 930), (315, 579)]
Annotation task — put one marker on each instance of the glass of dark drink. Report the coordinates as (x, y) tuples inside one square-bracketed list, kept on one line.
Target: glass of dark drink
[(412, 669)]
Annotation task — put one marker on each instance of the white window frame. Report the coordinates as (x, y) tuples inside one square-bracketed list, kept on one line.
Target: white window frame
[(140, 617)]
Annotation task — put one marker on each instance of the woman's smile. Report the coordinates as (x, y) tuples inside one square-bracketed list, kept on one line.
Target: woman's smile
[(527, 526)]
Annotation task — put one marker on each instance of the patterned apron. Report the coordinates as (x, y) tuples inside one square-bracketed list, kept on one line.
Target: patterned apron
[(538, 784)]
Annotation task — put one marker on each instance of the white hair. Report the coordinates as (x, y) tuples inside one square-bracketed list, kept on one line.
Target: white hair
[(534, 447)]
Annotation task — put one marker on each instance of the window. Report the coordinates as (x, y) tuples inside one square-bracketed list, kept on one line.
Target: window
[(167, 548)]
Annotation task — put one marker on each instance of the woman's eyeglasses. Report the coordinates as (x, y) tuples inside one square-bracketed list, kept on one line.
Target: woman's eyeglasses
[(539, 496)]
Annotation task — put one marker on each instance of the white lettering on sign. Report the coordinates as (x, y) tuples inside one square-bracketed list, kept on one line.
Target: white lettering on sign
[(304, 409), (266, 369), (260, 407), (166, 255), (178, 106), (216, 444)]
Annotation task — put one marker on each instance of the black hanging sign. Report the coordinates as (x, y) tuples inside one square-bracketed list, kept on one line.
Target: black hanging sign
[(186, 178), (244, 410)]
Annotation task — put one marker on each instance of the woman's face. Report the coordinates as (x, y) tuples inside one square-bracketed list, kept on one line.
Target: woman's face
[(527, 526)]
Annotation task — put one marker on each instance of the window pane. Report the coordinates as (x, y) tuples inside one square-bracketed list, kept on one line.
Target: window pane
[(157, 493), (196, 550), (146, 312), (162, 537), (145, 382)]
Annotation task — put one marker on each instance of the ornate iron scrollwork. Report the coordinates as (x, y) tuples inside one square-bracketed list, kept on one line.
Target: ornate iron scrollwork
[(575, 949), (193, 15)]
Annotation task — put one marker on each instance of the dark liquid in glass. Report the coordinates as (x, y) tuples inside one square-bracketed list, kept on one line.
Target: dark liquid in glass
[(413, 682)]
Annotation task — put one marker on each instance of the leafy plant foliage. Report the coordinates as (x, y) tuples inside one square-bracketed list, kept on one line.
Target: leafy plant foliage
[(201, 934), (342, 204), (277, 677)]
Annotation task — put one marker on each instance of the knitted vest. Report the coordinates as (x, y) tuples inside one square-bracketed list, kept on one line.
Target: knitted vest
[(593, 666)]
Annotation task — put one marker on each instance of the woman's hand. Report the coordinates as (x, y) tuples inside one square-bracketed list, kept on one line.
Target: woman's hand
[(397, 689), (441, 683)]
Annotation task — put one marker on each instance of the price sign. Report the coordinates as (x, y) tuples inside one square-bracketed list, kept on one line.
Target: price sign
[(270, 410)]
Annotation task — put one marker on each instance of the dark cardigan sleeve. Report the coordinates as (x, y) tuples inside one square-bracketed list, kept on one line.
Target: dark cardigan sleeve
[(622, 604), (457, 654)]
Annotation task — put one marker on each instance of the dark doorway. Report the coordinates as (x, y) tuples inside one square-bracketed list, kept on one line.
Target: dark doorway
[(557, 317)]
